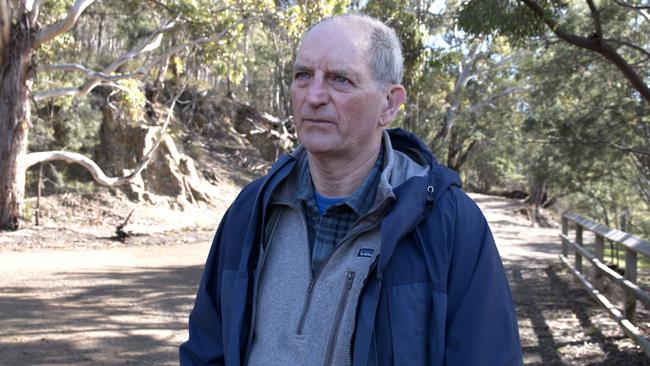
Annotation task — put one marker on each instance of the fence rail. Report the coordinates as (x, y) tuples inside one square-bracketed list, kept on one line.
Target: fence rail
[(633, 247)]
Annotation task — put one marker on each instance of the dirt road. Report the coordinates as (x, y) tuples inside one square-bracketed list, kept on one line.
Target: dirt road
[(129, 305), (97, 307)]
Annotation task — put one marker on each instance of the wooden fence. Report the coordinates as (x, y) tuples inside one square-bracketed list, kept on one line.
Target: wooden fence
[(633, 247)]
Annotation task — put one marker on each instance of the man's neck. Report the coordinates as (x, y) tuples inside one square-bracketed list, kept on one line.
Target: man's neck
[(334, 177)]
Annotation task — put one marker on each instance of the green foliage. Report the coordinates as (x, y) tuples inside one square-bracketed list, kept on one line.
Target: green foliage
[(585, 132), (52, 50), (296, 17), (583, 135), (131, 99), (502, 17), (71, 126), (409, 23), (53, 10)]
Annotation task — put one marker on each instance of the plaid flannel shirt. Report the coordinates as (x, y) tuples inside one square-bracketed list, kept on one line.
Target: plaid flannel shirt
[(326, 231)]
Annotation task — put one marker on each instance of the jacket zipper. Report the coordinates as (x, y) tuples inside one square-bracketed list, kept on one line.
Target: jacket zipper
[(313, 279), (305, 307), (336, 325)]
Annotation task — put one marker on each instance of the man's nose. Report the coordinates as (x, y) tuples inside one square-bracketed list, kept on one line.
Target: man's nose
[(317, 93)]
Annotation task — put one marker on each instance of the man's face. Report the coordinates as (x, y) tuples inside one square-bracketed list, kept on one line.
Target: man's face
[(337, 105)]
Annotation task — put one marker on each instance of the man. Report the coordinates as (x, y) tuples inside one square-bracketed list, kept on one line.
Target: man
[(358, 248)]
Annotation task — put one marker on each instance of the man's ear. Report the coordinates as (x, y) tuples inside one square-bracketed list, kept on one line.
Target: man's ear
[(394, 99)]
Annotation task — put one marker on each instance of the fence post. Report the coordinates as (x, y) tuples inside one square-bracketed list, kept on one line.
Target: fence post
[(599, 253), (565, 231), (579, 242), (630, 274)]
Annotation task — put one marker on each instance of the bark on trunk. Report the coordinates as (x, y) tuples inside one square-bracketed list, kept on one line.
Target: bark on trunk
[(15, 78)]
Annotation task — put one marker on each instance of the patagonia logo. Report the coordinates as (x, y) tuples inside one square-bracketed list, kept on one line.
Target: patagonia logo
[(365, 252)]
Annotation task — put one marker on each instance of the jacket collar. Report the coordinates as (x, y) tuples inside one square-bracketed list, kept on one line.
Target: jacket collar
[(412, 182)]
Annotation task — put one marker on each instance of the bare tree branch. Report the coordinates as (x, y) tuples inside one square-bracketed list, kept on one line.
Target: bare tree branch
[(186, 19), (75, 158), (152, 42), (631, 6), (36, 9), (595, 15), (645, 14), (627, 149), (98, 174), (488, 101), (628, 44), (62, 25), (595, 45), (101, 77), (28, 4), (466, 68), (91, 74), (57, 93), (167, 54), (166, 7), (644, 60)]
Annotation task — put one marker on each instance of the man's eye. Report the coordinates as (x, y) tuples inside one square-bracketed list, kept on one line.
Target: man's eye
[(301, 76), (340, 79)]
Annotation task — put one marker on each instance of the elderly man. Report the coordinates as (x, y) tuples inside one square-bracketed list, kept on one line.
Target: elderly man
[(358, 248)]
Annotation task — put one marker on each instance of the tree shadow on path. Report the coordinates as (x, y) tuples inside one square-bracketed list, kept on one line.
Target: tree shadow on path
[(560, 325), (113, 317)]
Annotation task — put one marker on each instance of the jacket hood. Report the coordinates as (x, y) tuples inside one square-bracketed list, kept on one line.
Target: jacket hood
[(416, 195), (439, 177)]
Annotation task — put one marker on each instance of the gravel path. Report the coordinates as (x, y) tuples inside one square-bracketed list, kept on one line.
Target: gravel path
[(129, 305)]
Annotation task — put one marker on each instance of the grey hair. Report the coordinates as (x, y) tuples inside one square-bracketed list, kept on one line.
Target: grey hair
[(386, 59)]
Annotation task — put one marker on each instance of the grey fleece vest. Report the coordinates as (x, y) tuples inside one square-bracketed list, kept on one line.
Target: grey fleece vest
[(305, 320)]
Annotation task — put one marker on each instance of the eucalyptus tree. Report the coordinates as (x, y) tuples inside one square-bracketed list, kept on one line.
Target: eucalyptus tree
[(453, 79), (482, 100), (617, 30), (589, 155), (31, 33), (589, 105)]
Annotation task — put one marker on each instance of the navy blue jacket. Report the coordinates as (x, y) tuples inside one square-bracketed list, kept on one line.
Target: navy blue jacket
[(438, 294)]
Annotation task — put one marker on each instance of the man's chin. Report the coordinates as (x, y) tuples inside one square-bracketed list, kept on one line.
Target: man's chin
[(318, 149), (318, 145)]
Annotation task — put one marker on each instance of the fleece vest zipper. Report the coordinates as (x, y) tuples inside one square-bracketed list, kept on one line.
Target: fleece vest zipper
[(305, 320)]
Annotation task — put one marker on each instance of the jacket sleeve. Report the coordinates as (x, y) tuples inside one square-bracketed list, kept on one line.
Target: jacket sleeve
[(481, 322), (205, 344)]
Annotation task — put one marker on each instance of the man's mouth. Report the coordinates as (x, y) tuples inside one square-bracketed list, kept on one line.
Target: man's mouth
[(317, 120)]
